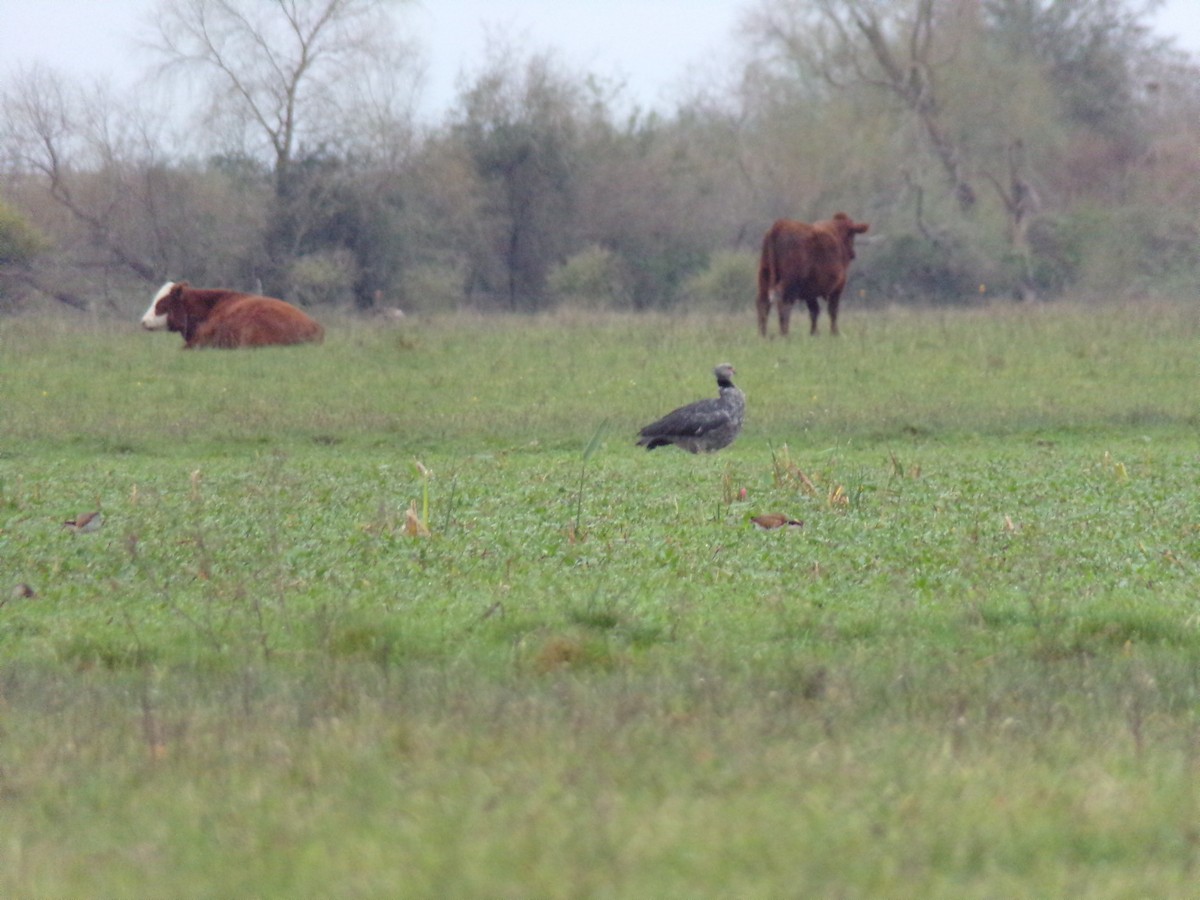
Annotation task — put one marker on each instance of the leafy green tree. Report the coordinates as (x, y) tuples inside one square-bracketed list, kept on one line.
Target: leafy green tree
[(520, 129), (1091, 50), (661, 193)]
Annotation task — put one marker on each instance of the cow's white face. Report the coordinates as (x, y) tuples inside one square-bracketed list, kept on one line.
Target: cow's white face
[(152, 321)]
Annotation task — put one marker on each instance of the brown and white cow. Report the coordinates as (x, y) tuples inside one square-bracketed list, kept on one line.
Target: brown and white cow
[(805, 262), (228, 319)]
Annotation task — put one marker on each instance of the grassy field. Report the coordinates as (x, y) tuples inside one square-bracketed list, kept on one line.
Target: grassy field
[(408, 615)]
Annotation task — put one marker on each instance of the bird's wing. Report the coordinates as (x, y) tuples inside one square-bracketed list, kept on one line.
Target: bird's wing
[(694, 419)]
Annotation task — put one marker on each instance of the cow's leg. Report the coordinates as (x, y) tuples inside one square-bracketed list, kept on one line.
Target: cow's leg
[(785, 314), (814, 310), (833, 309), (763, 307)]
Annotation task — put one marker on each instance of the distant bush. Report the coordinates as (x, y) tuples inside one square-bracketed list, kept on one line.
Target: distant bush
[(910, 267), (430, 286), (1056, 254), (729, 282), (594, 278), (1133, 248), (323, 278), (19, 241)]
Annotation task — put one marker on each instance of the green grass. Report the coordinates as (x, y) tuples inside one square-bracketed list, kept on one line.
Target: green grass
[(974, 672)]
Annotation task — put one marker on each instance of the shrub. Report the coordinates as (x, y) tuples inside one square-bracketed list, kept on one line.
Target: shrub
[(728, 283), (19, 241), (1056, 249), (912, 267), (1132, 248), (324, 277), (430, 286), (595, 278)]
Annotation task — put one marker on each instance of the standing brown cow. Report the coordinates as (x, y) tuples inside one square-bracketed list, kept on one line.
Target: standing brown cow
[(805, 262)]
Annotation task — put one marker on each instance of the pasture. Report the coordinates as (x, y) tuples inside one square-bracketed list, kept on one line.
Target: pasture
[(574, 670)]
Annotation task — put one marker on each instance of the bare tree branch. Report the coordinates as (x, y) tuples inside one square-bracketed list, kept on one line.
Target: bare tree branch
[(46, 125), (888, 47), (284, 73)]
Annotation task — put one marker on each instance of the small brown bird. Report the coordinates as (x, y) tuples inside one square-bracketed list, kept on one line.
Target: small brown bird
[(90, 521), (767, 521)]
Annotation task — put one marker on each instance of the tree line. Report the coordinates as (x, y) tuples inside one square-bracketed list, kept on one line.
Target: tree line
[(1013, 148)]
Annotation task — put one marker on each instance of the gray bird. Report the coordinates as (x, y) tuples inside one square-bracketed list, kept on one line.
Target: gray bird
[(703, 426)]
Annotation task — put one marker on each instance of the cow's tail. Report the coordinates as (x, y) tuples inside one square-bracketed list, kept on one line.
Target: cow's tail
[(768, 271)]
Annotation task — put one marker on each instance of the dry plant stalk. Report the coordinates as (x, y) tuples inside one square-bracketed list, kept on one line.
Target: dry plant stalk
[(413, 524), (787, 473)]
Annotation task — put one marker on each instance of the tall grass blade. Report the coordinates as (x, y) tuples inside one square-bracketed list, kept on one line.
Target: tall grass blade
[(588, 451)]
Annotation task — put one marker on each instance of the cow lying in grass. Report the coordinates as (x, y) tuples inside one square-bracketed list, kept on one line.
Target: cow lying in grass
[(228, 319)]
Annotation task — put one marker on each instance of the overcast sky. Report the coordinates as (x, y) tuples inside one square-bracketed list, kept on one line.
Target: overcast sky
[(651, 46)]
